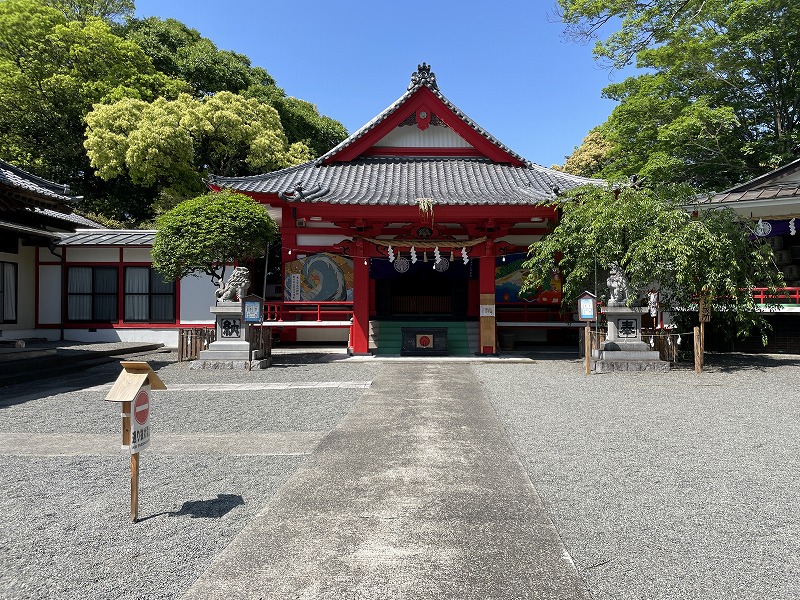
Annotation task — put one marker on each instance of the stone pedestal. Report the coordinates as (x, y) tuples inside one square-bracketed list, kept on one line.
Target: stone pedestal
[(624, 349), (232, 348)]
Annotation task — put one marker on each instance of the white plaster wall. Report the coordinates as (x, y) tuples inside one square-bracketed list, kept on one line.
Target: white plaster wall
[(49, 294), (168, 337), (197, 296), (414, 137), (92, 254), (136, 255)]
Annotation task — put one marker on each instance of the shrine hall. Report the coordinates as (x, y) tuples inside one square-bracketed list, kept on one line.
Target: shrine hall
[(409, 236)]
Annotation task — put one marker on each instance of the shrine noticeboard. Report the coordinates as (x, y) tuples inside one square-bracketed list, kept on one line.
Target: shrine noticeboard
[(704, 310), (587, 307)]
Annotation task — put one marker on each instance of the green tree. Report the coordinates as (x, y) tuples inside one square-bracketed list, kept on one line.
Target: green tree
[(174, 144), (590, 157), (660, 246), (719, 102), (204, 234), (111, 11), (52, 70), (184, 53)]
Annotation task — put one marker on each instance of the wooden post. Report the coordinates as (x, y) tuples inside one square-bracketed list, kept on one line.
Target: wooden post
[(587, 347), (703, 342), (134, 487), (698, 351), (128, 391)]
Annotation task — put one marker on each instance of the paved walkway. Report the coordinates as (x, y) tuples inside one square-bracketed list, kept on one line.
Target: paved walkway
[(415, 494)]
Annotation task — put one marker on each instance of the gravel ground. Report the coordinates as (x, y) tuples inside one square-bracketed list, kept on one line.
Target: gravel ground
[(671, 485), (662, 485), (64, 527)]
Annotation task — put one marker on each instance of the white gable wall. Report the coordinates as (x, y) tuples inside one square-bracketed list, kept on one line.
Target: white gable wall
[(432, 137)]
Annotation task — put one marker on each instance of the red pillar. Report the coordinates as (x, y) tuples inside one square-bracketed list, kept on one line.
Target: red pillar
[(360, 335), (486, 287)]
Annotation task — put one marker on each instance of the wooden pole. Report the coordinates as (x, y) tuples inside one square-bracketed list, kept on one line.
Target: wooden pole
[(126, 441), (134, 487), (698, 351), (587, 348), (702, 343)]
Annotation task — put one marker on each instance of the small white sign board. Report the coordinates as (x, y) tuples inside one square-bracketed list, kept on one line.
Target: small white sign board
[(140, 420), (487, 310)]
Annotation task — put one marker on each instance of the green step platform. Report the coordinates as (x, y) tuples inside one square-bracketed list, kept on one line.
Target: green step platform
[(388, 336)]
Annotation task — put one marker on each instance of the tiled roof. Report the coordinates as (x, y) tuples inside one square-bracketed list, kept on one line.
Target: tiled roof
[(32, 185), (69, 218), (108, 237), (773, 192), (403, 180)]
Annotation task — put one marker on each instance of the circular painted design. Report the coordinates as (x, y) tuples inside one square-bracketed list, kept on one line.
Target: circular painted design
[(424, 341), (442, 265), (763, 228), (401, 264), (141, 407), (424, 232)]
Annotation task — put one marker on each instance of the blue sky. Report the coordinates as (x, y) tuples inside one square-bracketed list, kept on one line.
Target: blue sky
[(503, 64)]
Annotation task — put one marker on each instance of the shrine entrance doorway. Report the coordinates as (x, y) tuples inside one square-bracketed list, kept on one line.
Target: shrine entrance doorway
[(422, 291)]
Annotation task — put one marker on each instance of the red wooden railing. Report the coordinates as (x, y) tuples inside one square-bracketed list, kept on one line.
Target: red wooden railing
[(789, 295), (307, 311)]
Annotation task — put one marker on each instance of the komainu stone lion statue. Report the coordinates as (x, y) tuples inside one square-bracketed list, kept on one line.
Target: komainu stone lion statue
[(236, 286), (618, 287)]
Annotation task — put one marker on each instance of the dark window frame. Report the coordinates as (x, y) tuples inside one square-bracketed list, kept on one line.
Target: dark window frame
[(95, 295), (154, 281), (15, 267)]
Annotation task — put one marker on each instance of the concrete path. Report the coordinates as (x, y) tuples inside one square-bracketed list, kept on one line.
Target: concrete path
[(416, 494)]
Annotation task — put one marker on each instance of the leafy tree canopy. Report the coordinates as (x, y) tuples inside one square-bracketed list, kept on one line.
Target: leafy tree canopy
[(108, 10), (660, 246), (719, 102), (60, 58), (51, 72), (173, 144), (183, 53), (204, 234)]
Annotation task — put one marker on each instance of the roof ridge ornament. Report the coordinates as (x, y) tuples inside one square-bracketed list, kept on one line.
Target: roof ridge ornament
[(423, 76)]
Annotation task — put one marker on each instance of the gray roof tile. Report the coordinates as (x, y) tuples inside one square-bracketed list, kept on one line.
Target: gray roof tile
[(17, 178), (402, 180), (108, 237)]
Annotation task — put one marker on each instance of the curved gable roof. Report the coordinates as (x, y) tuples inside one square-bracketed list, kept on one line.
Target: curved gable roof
[(20, 189), (423, 91), (349, 174)]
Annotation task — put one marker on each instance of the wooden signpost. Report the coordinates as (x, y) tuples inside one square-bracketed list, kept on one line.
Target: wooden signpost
[(132, 389), (587, 312), (704, 313)]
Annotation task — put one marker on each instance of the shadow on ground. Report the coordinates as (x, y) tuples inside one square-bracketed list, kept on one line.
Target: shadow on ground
[(213, 508)]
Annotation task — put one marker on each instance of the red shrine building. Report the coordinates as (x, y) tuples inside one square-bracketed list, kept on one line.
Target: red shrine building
[(410, 235)]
